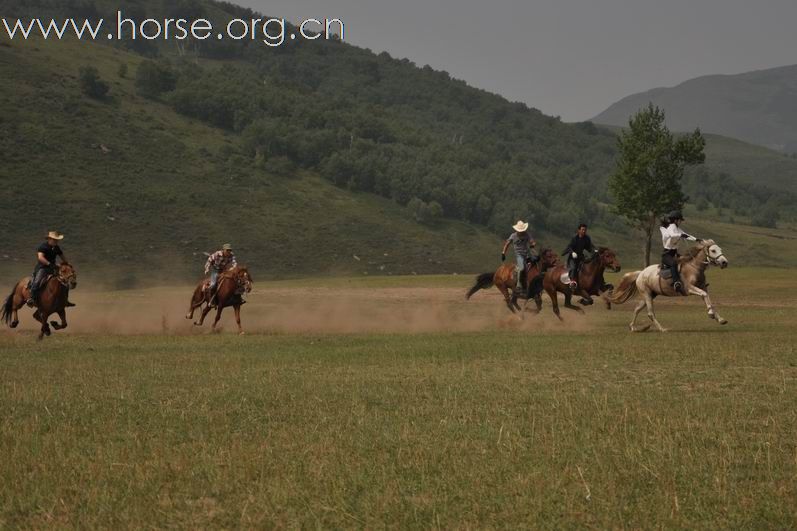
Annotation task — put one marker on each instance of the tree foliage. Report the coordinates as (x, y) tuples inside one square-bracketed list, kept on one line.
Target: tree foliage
[(647, 180)]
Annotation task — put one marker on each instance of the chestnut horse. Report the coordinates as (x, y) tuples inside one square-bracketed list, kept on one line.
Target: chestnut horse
[(504, 280), (589, 280), (229, 287), (53, 297)]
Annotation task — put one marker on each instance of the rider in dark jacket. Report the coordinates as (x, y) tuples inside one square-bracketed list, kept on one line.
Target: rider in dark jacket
[(575, 252)]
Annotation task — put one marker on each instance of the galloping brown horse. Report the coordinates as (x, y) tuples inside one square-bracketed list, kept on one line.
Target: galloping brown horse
[(52, 299), (589, 280), (504, 280), (229, 288)]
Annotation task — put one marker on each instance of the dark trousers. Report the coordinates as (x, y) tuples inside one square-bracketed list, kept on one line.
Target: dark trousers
[(670, 259), (39, 274), (573, 264)]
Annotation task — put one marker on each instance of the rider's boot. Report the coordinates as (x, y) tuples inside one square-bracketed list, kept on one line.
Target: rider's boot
[(679, 287), (70, 304)]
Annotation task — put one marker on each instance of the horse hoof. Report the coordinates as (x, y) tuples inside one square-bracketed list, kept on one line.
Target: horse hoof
[(723, 321), (241, 333), (197, 324), (14, 324)]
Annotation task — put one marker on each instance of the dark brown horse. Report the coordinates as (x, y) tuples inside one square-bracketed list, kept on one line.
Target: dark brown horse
[(229, 288), (504, 280), (52, 299), (590, 278)]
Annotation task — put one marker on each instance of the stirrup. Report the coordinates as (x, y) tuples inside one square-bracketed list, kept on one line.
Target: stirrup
[(30, 302)]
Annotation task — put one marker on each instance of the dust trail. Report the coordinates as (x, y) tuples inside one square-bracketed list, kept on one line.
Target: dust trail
[(308, 310)]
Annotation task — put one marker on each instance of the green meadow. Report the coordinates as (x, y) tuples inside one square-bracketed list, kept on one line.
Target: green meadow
[(513, 424)]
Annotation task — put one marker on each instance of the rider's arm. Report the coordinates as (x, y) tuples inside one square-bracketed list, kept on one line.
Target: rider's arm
[(233, 262), (42, 259), (505, 249), (686, 236)]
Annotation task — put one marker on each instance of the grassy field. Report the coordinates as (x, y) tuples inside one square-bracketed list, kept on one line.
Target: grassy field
[(504, 424)]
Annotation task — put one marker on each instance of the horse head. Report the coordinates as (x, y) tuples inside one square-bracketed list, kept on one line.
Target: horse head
[(608, 259), (714, 254), (67, 276), (243, 279), (548, 259)]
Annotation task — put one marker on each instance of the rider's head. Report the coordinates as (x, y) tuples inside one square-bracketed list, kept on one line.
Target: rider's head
[(675, 217), (226, 249), (582, 229), (53, 237), (520, 226)]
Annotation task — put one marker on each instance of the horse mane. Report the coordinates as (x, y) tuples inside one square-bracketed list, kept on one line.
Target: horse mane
[(692, 252)]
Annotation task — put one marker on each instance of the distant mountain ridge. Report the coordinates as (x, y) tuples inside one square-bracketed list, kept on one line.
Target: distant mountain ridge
[(758, 107)]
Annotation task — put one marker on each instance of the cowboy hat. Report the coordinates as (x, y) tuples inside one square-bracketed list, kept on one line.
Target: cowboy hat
[(520, 226), (226, 247), (55, 235)]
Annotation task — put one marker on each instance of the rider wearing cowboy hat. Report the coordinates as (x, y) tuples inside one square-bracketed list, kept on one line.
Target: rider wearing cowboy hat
[(523, 244), (46, 255), (671, 234)]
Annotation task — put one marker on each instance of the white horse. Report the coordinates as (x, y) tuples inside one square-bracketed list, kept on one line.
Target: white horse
[(648, 282)]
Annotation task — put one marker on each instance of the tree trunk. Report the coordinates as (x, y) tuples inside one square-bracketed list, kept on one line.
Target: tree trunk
[(649, 238)]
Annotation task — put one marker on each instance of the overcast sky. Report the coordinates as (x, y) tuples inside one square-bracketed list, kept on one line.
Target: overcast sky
[(571, 58)]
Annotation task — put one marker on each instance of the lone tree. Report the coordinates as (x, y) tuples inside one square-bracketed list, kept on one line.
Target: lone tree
[(647, 180)]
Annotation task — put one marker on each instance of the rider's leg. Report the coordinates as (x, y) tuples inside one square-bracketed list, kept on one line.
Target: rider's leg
[(520, 266), (572, 269), (35, 284), (670, 259)]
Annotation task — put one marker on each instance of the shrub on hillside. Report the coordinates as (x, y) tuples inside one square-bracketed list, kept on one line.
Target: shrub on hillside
[(153, 79), (90, 83)]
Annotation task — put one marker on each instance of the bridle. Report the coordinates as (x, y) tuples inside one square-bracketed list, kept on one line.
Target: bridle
[(65, 281), (713, 260), (242, 282)]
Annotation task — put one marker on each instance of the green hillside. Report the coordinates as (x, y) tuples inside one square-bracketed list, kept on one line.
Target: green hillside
[(315, 158), (164, 191), (758, 107)]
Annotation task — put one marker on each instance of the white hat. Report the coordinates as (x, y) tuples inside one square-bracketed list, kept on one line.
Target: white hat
[(55, 235), (520, 226)]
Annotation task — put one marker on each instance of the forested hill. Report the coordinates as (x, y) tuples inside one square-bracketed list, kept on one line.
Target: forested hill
[(317, 155)]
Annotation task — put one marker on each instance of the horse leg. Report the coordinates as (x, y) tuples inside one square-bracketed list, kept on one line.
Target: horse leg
[(205, 312), (570, 305), (507, 298), (712, 312), (651, 315), (218, 316), (638, 309), (62, 325), (554, 303), (45, 329), (237, 309)]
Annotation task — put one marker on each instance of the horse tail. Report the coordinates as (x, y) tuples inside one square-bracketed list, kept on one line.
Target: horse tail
[(627, 288), (8, 307), (483, 281)]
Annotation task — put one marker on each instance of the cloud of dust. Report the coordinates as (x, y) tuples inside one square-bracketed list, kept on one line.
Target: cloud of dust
[(161, 311)]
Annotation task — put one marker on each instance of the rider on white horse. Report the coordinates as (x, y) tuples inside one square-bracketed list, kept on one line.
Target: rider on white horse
[(671, 234)]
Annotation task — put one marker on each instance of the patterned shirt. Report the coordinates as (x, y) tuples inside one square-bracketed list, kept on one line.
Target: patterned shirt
[(522, 243), (219, 262)]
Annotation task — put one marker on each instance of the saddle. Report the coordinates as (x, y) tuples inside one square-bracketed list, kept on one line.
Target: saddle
[(665, 272)]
